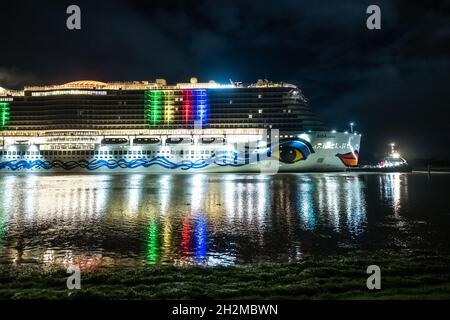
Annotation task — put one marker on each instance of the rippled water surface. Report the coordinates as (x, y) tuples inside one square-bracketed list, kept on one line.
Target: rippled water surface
[(134, 219)]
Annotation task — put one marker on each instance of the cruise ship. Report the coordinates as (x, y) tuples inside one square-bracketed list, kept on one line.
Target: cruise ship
[(155, 127)]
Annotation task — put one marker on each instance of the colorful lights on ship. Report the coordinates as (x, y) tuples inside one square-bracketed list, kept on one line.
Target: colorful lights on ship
[(153, 101), (4, 115), (202, 107), (188, 102), (163, 107), (169, 106)]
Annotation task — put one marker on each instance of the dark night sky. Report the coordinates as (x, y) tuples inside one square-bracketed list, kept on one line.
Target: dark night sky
[(394, 83)]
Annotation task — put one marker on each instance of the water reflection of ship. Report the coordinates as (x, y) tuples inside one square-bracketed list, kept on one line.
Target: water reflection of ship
[(394, 191), (198, 219)]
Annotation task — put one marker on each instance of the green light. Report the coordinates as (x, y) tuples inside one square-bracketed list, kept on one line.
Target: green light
[(147, 106), (4, 115), (153, 104), (152, 242)]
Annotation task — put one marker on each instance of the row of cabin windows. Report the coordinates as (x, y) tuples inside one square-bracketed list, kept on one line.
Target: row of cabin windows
[(101, 153)]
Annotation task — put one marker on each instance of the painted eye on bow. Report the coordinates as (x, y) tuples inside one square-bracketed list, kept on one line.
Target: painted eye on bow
[(290, 155), (291, 151)]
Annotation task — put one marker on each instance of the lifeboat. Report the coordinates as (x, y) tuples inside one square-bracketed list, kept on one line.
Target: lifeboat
[(173, 140), (114, 140), (212, 140), (146, 141)]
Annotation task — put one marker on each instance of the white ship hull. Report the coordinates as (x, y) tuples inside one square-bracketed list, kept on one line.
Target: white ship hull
[(318, 151)]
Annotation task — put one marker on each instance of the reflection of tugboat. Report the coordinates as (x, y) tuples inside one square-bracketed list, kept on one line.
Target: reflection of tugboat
[(393, 162)]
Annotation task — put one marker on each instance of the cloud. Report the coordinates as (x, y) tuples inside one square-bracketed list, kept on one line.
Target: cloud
[(13, 78)]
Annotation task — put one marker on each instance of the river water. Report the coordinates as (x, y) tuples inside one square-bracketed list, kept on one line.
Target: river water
[(217, 219)]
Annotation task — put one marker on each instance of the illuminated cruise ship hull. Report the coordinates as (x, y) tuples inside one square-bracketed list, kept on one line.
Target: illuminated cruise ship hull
[(152, 127), (315, 151)]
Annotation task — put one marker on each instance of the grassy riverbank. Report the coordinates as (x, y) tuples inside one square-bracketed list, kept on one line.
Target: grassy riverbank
[(403, 277)]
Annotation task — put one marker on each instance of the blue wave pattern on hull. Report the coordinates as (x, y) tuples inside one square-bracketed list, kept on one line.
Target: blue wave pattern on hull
[(113, 164)]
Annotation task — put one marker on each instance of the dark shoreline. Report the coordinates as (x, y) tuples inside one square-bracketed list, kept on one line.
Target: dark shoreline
[(405, 276)]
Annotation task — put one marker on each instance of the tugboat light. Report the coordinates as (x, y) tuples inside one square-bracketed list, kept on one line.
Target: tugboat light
[(352, 124)]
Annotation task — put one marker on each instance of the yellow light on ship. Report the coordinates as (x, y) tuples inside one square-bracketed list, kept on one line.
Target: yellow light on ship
[(169, 105)]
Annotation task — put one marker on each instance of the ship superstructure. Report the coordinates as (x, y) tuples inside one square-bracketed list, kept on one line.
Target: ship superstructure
[(155, 127)]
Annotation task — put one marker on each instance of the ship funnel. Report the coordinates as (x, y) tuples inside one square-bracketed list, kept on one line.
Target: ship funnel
[(194, 80)]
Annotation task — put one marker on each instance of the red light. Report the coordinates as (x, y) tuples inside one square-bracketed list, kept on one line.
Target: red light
[(187, 105), (185, 236)]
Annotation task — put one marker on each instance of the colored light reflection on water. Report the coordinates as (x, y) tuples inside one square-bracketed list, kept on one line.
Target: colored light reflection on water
[(212, 219), (186, 237), (307, 206), (152, 248), (201, 238), (2, 228)]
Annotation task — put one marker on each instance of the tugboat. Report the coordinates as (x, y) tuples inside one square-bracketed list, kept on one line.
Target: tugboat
[(393, 162)]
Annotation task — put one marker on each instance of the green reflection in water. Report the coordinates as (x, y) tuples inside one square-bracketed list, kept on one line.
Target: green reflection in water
[(2, 222), (2, 228), (152, 242)]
